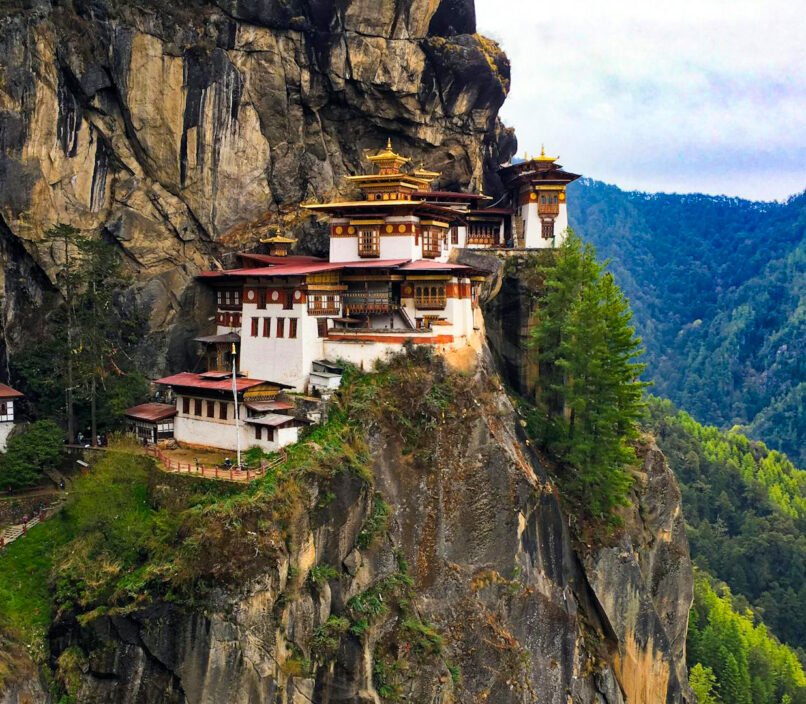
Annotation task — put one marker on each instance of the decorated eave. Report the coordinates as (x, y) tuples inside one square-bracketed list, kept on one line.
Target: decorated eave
[(382, 208), (300, 271), (250, 258)]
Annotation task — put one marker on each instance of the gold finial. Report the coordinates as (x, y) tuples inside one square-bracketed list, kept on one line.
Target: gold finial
[(389, 144), (543, 156)]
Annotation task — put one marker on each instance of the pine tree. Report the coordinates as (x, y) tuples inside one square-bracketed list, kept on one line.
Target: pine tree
[(589, 390), (703, 682)]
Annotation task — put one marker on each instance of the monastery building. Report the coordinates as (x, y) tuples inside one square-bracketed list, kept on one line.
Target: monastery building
[(284, 321)]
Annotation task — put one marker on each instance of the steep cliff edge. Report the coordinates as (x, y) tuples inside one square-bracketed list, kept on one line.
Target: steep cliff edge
[(180, 130), (447, 575)]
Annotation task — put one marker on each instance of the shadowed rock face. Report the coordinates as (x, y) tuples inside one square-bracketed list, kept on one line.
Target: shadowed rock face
[(176, 130)]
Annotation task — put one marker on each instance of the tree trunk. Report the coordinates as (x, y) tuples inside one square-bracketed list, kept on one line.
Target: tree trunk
[(93, 419), (71, 419)]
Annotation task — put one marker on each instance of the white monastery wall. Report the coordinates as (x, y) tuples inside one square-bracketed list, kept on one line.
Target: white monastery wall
[(282, 359), (5, 430), (212, 432)]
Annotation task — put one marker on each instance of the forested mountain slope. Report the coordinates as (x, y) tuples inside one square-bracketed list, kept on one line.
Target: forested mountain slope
[(745, 509), (717, 287)]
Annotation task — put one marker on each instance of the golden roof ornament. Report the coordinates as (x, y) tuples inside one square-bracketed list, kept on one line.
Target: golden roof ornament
[(543, 156), (276, 238)]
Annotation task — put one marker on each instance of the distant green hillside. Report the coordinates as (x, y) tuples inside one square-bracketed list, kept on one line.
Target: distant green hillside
[(745, 509), (718, 288)]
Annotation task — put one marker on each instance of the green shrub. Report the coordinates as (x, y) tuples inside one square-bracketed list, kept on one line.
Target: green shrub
[(320, 574), (39, 447), (376, 522), (327, 638)]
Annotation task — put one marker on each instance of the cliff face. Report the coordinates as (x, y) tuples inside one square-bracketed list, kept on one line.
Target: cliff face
[(476, 593), (176, 130)]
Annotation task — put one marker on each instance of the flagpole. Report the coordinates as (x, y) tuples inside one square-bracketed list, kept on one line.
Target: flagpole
[(237, 413)]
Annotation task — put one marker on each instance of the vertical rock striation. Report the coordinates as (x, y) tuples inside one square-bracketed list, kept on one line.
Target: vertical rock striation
[(175, 130)]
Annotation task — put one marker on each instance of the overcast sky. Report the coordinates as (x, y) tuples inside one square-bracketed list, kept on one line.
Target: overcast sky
[(691, 95)]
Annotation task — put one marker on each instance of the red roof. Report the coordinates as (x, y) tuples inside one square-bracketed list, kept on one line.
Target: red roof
[(290, 259), (151, 412), (426, 265), (374, 264), (8, 392), (449, 194), (197, 381), (280, 270)]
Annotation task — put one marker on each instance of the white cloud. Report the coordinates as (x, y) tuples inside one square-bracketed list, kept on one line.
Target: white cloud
[(706, 95)]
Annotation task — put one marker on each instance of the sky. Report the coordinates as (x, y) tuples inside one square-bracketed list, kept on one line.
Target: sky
[(688, 96)]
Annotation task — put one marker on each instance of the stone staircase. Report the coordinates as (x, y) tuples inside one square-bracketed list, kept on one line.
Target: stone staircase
[(10, 534)]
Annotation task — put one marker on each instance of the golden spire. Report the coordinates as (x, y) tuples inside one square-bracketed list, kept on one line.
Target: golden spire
[(543, 156), (389, 144)]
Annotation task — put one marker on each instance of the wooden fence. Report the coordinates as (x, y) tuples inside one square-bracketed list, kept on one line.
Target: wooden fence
[(232, 474)]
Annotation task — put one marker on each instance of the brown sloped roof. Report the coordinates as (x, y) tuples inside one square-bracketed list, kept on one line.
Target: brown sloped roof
[(151, 412)]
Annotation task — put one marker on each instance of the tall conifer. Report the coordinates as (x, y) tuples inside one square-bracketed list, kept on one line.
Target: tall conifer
[(589, 390)]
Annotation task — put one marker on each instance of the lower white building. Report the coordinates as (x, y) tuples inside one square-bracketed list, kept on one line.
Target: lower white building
[(206, 412), (8, 397)]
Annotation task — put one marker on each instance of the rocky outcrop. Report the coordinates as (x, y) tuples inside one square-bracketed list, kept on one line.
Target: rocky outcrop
[(643, 585), (178, 131), (477, 592)]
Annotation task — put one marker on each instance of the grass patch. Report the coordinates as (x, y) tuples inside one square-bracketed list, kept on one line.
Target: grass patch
[(376, 522), (26, 604)]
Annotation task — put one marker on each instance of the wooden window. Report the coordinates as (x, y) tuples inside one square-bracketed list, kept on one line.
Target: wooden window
[(432, 240), (548, 229), (197, 407), (186, 406), (219, 296), (211, 409), (288, 300), (549, 204), (236, 295), (292, 327), (280, 327), (324, 304), (261, 298), (454, 235), (257, 432), (369, 243), (430, 296), (483, 233), (321, 327), (255, 323), (3, 408), (266, 327), (222, 410)]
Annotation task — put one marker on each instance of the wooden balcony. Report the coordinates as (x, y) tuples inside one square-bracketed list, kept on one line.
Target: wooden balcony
[(430, 302), (548, 209)]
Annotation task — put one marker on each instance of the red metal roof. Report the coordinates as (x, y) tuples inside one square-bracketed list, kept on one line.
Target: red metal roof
[(374, 264), (151, 412), (8, 392), (197, 381), (280, 270), (426, 265), (290, 259), (449, 194)]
